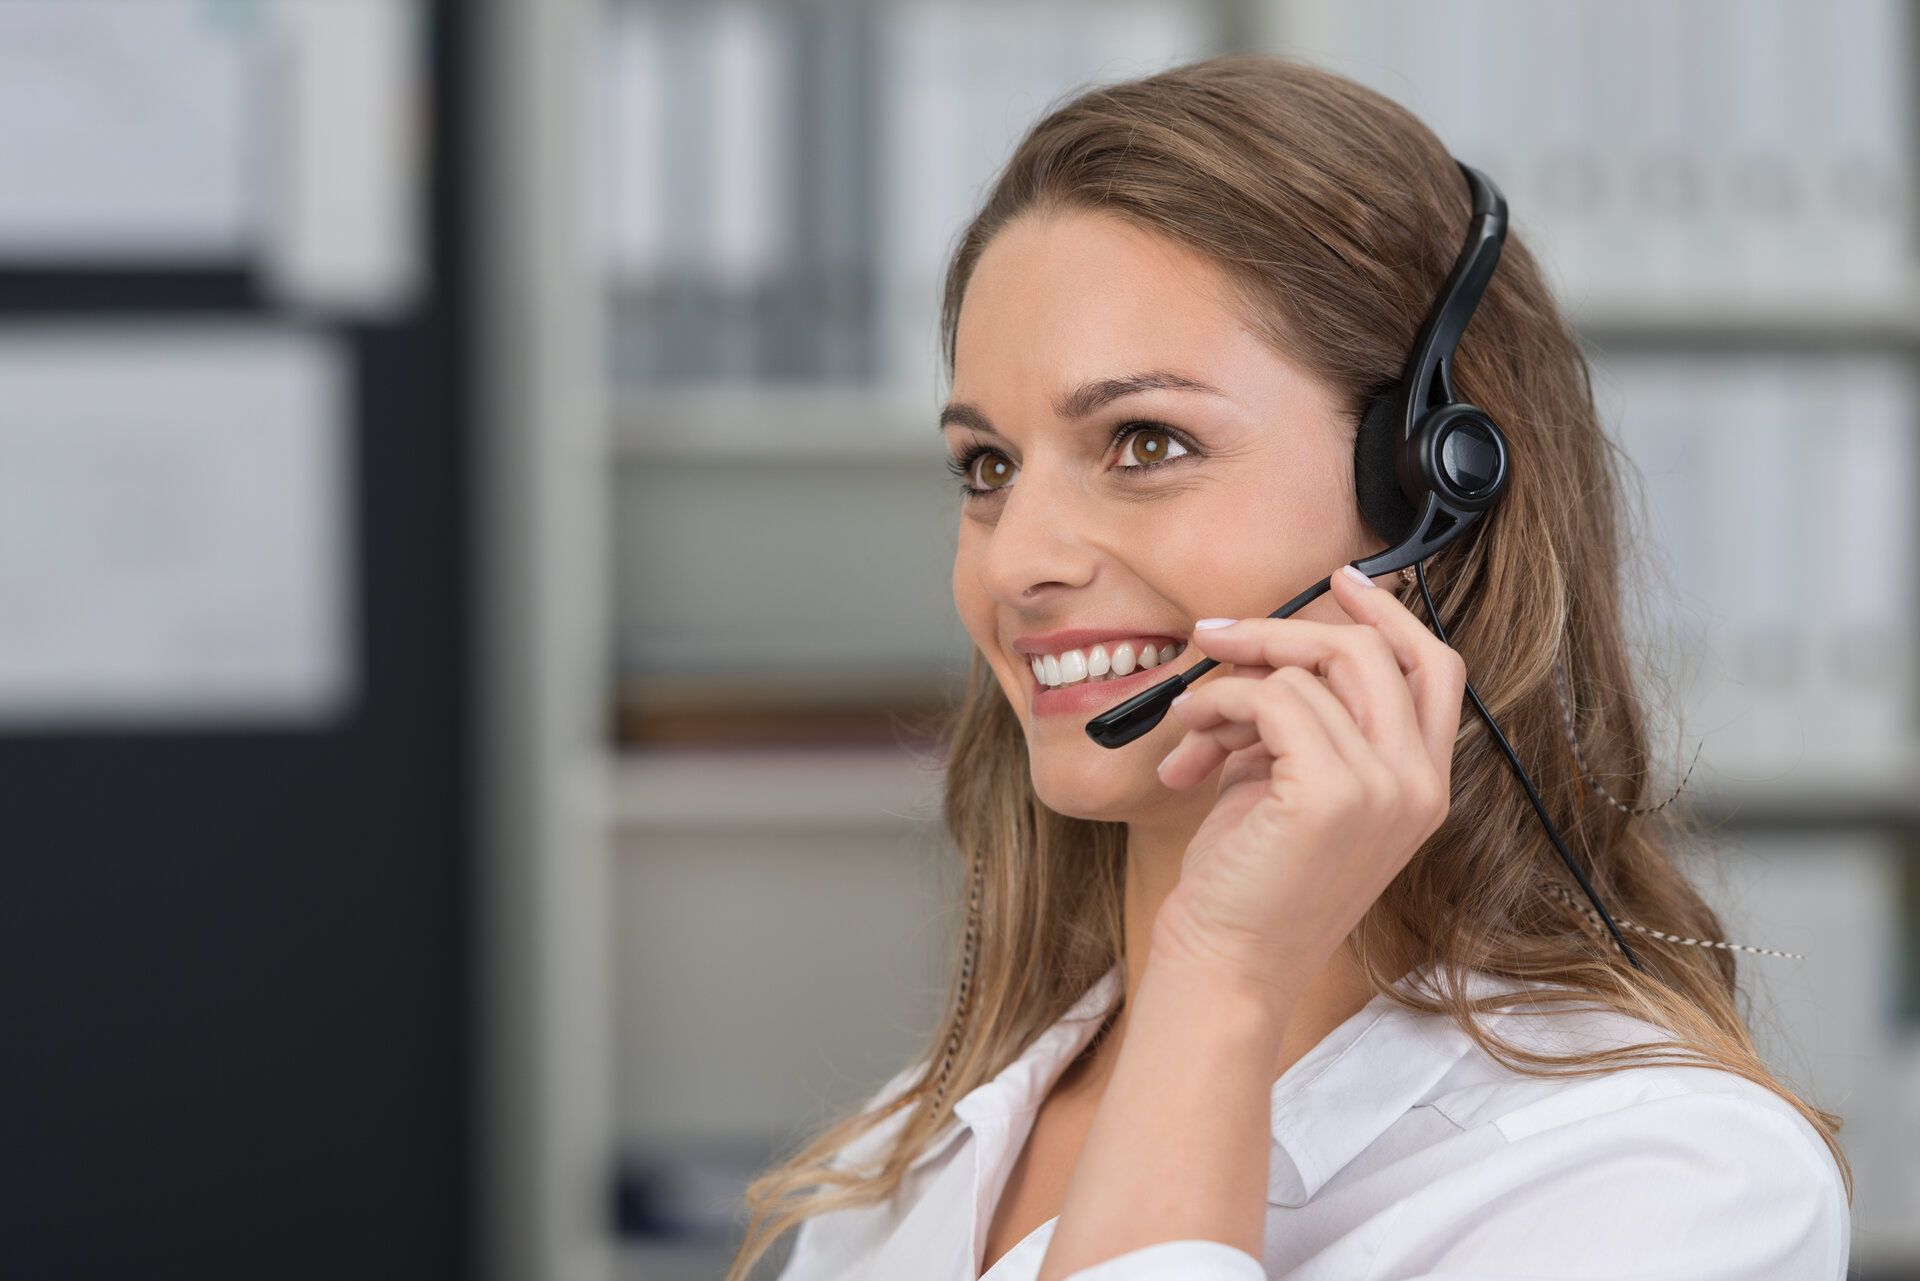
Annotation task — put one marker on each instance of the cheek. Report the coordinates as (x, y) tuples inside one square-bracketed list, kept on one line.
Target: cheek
[(1216, 551), (970, 600), (976, 608), (1246, 552)]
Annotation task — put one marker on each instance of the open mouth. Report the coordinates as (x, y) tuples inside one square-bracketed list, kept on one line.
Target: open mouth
[(1107, 661), (1089, 693)]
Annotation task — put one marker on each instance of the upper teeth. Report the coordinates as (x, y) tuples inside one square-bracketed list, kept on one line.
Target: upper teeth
[(1101, 663)]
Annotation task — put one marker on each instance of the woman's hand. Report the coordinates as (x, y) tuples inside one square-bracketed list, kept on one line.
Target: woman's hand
[(1337, 743)]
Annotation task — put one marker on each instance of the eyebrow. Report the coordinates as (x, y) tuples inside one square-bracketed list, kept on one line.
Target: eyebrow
[(1085, 399)]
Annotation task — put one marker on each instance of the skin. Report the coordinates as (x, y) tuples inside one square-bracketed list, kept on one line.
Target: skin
[(1281, 795)]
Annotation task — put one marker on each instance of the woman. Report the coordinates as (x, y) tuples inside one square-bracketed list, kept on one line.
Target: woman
[(1293, 986)]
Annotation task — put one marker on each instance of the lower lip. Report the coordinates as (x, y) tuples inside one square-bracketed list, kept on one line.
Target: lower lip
[(1088, 697)]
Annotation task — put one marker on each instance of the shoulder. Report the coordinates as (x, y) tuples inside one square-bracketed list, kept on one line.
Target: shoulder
[(1676, 1099), (1648, 1170)]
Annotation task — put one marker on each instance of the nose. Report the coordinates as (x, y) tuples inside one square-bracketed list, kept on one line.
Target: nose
[(1036, 546)]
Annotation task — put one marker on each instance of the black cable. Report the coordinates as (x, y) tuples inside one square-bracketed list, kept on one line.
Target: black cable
[(1539, 807)]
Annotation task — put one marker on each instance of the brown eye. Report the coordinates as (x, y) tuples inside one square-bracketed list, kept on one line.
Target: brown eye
[(1149, 445), (993, 471)]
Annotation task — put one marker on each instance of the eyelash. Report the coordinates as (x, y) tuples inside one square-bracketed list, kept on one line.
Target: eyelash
[(962, 467)]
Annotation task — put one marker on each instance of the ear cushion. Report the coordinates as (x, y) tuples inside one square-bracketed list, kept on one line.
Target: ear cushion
[(1376, 451)]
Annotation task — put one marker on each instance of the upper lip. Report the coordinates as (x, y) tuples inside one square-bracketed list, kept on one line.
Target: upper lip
[(1081, 637)]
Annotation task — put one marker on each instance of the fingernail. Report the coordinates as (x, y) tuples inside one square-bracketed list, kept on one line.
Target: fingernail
[(1163, 762), (1181, 697), (1357, 576), (1210, 623)]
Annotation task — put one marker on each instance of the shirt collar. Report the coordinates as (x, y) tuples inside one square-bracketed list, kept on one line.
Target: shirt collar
[(1340, 1096), (1326, 1108), (1022, 1084)]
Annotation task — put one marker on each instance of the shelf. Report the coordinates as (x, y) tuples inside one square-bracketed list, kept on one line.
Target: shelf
[(779, 423), (773, 789), (1731, 327), (764, 788), (1886, 796), (830, 711), (775, 424)]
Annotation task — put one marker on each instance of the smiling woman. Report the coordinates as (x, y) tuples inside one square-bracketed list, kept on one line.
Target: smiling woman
[(1290, 987)]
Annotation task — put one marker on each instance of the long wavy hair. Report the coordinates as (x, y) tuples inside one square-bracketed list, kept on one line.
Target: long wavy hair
[(1336, 214)]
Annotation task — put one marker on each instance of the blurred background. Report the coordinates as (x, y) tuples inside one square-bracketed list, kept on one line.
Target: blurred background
[(475, 558)]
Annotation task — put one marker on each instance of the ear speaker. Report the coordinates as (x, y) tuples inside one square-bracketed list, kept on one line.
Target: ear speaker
[(1459, 453), (1376, 471), (1456, 452)]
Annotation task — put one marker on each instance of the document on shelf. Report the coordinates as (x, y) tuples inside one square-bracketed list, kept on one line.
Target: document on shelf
[(132, 132), (175, 526), (349, 137)]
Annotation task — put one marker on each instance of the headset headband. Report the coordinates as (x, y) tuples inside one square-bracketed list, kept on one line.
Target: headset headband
[(1431, 359)]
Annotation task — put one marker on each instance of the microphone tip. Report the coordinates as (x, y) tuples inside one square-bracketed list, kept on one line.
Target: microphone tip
[(1124, 722)]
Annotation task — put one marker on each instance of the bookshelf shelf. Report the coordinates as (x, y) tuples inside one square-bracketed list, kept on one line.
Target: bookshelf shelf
[(801, 421), (1813, 328), (760, 789), (772, 790), (774, 422)]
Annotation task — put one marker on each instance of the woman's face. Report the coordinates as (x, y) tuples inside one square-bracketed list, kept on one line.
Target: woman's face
[(1224, 498)]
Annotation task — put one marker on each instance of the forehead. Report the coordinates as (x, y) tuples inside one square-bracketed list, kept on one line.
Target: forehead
[(1061, 297)]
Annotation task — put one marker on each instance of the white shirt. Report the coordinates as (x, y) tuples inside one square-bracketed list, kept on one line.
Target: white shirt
[(1401, 1151)]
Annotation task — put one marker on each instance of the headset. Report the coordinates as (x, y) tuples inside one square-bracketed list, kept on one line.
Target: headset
[(1426, 466)]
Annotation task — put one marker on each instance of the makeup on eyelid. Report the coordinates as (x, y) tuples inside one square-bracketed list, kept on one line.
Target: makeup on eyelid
[(962, 467)]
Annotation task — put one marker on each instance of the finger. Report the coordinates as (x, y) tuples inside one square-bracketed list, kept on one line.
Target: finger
[(1356, 660), (1436, 673), (1255, 702), (1294, 733), (1431, 670), (1201, 751)]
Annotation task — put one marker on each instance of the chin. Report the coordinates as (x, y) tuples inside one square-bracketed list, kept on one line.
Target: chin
[(1094, 783)]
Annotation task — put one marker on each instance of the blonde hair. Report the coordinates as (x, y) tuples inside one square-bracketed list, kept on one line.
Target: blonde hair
[(1336, 214)]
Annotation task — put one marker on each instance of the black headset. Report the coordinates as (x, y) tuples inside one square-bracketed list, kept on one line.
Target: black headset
[(1426, 466)]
